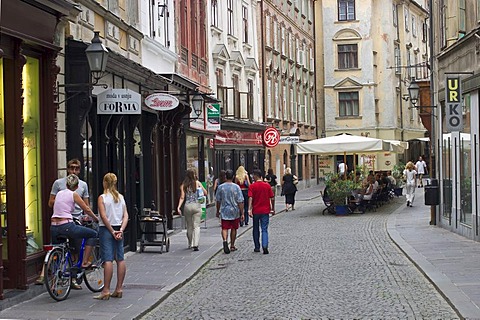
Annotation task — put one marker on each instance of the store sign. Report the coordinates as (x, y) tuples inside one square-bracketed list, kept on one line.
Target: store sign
[(119, 102), (161, 102), (453, 106), (271, 137), (227, 137), (213, 116), (289, 140)]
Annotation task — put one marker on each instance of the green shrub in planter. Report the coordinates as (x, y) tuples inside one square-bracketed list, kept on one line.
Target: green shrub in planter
[(339, 190)]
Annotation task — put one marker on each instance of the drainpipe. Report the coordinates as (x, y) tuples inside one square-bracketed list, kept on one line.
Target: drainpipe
[(432, 164)]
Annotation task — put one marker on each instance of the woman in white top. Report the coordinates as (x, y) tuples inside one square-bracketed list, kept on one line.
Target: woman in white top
[(114, 219), (410, 176)]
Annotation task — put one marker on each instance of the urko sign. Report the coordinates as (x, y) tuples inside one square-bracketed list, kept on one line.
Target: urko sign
[(453, 105), (119, 102)]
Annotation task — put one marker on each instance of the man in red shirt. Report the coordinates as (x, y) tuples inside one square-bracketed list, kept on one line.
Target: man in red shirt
[(260, 196)]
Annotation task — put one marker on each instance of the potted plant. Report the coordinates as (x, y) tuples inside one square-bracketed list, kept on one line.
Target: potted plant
[(339, 190), (397, 173)]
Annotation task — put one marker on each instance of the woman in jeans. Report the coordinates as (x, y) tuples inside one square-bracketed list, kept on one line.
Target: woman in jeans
[(243, 181), (114, 219), (193, 209), (62, 221)]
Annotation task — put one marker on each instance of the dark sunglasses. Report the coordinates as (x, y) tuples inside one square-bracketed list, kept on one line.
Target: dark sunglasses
[(74, 167)]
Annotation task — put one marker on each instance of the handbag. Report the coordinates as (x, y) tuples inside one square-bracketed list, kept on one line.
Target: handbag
[(295, 180)]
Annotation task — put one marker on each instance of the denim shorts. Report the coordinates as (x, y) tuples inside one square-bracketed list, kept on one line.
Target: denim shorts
[(73, 231), (110, 249)]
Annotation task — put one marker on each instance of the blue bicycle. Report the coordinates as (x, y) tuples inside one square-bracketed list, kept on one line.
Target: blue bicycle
[(60, 270)]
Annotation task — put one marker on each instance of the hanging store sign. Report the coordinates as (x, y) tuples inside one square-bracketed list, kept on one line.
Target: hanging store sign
[(213, 116), (119, 102), (289, 140), (453, 104), (271, 137), (161, 102)]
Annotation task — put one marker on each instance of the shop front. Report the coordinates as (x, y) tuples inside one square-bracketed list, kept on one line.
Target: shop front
[(234, 148), (142, 149), (28, 73)]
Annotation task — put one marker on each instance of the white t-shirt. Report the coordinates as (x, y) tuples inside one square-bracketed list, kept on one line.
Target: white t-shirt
[(342, 167), (421, 166), (410, 176), (113, 210)]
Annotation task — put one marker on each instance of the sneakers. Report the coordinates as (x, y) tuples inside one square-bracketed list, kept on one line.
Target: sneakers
[(408, 203), (256, 250), (226, 249), (265, 250), (195, 248)]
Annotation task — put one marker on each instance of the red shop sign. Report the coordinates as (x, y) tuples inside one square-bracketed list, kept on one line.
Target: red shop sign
[(271, 137)]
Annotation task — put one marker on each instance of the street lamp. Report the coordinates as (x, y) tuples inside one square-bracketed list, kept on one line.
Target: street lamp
[(413, 92), (97, 56), (197, 104)]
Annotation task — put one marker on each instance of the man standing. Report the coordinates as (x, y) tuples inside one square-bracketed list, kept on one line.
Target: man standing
[(342, 168), (421, 170), (230, 209), (260, 205), (73, 167)]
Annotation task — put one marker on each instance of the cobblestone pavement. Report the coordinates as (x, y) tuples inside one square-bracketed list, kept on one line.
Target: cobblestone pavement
[(318, 267)]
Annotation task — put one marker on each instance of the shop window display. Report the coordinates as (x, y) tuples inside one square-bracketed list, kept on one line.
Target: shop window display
[(31, 154), (3, 177)]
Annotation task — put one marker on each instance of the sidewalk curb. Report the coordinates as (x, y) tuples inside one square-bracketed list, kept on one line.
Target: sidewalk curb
[(460, 303)]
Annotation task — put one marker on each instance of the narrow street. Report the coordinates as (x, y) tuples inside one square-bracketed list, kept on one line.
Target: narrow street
[(318, 267)]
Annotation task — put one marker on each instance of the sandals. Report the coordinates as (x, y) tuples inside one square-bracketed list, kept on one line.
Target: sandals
[(232, 248)]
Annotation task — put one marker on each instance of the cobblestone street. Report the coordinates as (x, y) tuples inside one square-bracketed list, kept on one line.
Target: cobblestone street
[(318, 267)]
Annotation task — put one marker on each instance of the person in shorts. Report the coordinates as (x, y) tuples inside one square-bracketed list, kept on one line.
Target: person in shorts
[(230, 208)]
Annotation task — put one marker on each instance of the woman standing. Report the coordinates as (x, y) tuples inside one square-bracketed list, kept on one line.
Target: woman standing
[(193, 207), (114, 219), (289, 188), (243, 181), (411, 182)]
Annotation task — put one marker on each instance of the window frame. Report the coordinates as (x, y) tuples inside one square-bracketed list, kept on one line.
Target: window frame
[(343, 105), (344, 4), (349, 57)]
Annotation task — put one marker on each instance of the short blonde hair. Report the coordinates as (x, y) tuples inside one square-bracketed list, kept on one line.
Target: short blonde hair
[(288, 170), (409, 165)]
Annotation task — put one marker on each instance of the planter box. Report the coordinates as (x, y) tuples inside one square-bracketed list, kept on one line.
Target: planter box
[(341, 210)]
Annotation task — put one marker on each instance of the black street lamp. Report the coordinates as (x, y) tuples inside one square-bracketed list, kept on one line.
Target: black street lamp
[(413, 92), (97, 56)]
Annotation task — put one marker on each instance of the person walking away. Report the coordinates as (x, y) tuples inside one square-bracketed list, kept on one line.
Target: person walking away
[(114, 220), (410, 176), (73, 167), (421, 170), (230, 209), (271, 178), (243, 181), (62, 220), (221, 179), (260, 205), (289, 189), (191, 192)]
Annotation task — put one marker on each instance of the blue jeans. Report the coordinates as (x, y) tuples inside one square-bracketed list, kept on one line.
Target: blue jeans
[(110, 248), (73, 231), (260, 221), (245, 207)]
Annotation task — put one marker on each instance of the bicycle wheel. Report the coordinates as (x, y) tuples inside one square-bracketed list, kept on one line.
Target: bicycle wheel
[(94, 277), (57, 274)]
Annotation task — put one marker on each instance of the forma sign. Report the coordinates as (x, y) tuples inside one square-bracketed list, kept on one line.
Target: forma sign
[(453, 104), (161, 102), (119, 102)]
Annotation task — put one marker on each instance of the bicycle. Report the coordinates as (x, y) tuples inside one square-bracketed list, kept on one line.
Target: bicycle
[(60, 269)]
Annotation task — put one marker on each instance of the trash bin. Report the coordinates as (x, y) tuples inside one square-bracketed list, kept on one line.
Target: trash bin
[(432, 196)]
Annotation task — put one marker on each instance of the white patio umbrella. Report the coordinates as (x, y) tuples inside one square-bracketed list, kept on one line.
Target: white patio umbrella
[(343, 143)]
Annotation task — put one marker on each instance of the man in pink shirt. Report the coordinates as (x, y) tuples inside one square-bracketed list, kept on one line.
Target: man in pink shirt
[(260, 205)]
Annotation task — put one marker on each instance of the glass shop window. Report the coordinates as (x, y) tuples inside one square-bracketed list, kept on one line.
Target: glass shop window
[(31, 154)]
